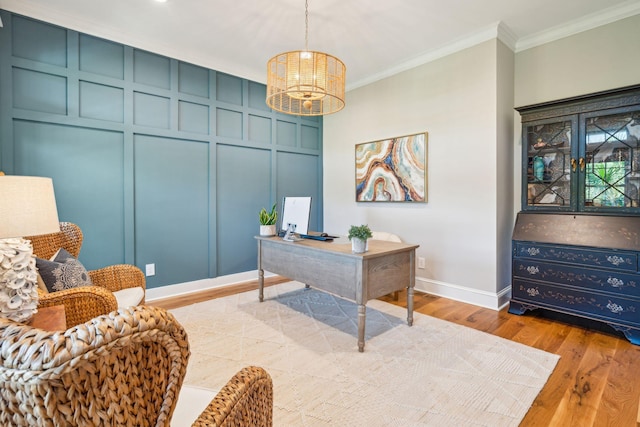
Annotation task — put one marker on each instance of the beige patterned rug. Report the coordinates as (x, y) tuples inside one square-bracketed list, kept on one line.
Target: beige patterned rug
[(434, 373)]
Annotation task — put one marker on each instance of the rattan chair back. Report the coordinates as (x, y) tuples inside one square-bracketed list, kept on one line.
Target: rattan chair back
[(69, 237)]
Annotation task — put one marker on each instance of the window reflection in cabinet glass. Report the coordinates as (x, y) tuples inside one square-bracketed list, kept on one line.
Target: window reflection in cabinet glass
[(612, 175)]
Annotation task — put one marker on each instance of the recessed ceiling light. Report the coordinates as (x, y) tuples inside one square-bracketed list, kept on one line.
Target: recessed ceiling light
[(161, 1)]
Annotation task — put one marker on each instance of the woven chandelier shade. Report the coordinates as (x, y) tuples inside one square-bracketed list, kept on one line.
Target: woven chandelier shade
[(305, 83)]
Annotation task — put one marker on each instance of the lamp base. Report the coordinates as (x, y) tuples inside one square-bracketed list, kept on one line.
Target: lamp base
[(18, 278)]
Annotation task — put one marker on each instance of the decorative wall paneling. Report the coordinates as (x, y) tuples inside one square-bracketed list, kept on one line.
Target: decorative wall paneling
[(159, 161)]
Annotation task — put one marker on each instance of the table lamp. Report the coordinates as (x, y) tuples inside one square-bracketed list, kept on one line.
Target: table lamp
[(27, 208)]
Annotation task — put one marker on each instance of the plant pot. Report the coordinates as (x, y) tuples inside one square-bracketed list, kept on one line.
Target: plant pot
[(358, 246), (268, 230)]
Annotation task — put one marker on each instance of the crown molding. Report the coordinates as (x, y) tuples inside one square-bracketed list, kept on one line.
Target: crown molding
[(588, 22), (502, 32), (46, 13), (506, 35), (484, 35), (40, 10)]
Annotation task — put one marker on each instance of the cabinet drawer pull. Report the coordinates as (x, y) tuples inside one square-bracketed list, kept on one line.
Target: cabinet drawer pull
[(581, 164), (533, 292), (533, 269), (533, 251), (615, 282), (615, 260), (573, 164), (614, 308)]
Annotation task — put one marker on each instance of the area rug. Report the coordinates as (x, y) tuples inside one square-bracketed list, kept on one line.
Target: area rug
[(434, 373)]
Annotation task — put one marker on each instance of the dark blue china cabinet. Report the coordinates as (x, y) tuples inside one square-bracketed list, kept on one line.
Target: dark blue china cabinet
[(576, 242)]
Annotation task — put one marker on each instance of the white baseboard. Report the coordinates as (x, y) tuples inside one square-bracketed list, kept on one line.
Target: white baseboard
[(494, 301), (186, 288)]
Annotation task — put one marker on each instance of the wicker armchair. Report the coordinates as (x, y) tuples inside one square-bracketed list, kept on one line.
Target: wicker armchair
[(82, 304), (121, 369)]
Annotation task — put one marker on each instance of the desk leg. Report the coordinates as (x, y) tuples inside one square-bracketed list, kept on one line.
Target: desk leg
[(261, 285), (412, 284), (260, 273), (362, 317), (410, 305)]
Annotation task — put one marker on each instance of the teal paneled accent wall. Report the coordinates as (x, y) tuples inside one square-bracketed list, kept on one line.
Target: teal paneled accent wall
[(159, 161), (294, 164), (171, 182), (88, 171), (234, 209)]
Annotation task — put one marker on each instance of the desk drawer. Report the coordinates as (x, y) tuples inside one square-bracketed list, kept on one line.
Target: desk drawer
[(594, 305), (614, 282), (619, 260)]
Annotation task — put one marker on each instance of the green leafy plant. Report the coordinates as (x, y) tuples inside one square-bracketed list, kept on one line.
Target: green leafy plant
[(362, 232), (268, 218)]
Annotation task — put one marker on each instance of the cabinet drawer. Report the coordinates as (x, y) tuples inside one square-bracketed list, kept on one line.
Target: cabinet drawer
[(615, 282), (593, 305), (619, 260)]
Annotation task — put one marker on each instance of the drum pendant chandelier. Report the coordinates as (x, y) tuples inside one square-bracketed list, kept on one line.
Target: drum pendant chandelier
[(305, 82)]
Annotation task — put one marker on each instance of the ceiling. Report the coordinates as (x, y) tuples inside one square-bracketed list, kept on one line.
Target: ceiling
[(374, 39)]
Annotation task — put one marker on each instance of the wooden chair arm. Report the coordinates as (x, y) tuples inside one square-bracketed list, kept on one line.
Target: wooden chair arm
[(246, 400), (80, 304)]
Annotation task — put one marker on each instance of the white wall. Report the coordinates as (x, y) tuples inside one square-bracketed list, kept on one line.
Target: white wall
[(465, 102), (504, 161), (605, 57), (454, 99)]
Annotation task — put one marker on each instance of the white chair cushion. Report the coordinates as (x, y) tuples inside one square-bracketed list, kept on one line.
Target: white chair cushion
[(383, 235), (129, 297), (191, 402)]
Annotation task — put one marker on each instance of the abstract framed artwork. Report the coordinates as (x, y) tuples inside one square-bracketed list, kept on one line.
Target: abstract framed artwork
[(392, 170)]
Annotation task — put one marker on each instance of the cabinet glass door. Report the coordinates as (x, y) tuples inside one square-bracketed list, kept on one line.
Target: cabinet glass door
[(549, 164), (611, 162)]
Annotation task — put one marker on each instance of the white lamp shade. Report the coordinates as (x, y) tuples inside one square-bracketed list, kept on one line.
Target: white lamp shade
[(27, 206)]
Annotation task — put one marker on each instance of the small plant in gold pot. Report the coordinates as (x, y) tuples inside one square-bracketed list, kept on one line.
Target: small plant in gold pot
[(268, 221), (358, 234)]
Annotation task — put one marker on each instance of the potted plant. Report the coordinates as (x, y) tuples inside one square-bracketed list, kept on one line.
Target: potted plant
[(268, 221), (358, 234)]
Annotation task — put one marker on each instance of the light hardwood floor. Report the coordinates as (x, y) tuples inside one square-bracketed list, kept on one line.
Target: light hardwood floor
[(596, 381)]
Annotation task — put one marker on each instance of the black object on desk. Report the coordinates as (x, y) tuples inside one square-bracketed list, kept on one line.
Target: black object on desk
[(326, 237)]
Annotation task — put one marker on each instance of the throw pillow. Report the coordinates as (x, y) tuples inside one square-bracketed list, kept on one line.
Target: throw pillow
[(63, 271), (41, 284)]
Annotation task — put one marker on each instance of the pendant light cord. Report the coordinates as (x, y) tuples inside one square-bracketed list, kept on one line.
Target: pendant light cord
[(306, 25)]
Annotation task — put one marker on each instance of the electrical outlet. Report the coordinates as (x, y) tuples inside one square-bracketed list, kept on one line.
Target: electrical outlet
[(150, 269), (420, 262)]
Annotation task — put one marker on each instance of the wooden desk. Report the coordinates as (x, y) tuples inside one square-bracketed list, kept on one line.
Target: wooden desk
[(50, 319), (331, 266)]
